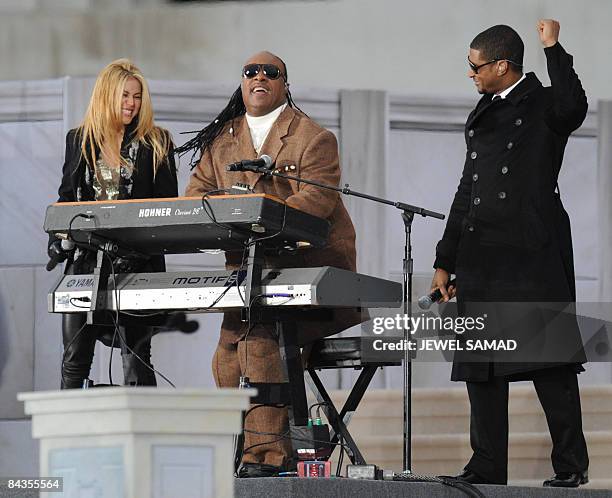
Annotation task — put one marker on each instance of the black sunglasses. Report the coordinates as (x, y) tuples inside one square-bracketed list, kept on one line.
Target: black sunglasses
[(475, 67), (269, 70)]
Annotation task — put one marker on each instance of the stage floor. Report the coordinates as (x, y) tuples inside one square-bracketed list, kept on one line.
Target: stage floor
[(350, 488)]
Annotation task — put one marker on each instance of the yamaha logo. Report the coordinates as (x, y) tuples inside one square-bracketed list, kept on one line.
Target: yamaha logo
[(80, 282)]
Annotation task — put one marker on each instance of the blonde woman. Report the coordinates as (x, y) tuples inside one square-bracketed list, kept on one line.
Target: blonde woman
[(117, 153)]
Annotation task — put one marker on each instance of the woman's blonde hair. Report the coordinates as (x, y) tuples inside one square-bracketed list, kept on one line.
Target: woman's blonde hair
[(103, 117)]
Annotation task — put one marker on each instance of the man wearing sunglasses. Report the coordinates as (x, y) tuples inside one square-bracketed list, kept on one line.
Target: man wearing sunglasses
[(261, 118), (508, 240)]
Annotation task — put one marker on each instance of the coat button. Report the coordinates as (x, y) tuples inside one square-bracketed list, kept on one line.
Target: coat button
[(475, 177), (471, 133), (509, 146), (476, 201), (504, 170), (502, 195), (518, 122), (473, 155)]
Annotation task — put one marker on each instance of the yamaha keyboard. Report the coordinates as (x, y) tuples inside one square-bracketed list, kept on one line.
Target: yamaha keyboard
[(187, 224), (214, 291)]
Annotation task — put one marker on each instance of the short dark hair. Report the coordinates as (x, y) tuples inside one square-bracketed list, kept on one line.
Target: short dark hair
[(500, 42)]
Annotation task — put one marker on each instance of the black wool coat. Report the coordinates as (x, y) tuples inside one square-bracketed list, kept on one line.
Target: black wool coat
[(508, 237), (146, 184)]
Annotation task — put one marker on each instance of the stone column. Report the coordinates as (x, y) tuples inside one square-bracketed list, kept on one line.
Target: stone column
[(138, 442), (604, 198), (364, 137), (364, 131)]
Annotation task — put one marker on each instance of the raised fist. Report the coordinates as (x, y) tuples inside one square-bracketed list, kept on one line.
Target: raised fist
[(548, 29)]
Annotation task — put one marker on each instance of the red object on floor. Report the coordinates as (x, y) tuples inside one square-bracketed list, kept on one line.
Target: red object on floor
[(314, 469)]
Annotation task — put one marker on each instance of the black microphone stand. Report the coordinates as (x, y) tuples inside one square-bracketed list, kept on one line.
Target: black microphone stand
[(407, 211)]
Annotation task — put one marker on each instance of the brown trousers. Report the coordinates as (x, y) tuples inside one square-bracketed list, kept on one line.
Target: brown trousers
[(257, 357)]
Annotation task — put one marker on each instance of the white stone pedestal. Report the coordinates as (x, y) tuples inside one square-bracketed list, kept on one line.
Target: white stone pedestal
[(138, 442)]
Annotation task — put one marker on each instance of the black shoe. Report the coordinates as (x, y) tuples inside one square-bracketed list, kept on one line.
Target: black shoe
[(472, 478), (567, 480), (258, 470)]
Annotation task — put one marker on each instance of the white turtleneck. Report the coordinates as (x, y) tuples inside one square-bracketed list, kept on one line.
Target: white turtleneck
[(260, 126)]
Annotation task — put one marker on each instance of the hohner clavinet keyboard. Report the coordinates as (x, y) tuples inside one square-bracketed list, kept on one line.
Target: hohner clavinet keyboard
[(187, 224)]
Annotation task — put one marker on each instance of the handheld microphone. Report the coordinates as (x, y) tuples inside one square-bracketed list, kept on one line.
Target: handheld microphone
[(261, 165), (426, 301), (59, 253)]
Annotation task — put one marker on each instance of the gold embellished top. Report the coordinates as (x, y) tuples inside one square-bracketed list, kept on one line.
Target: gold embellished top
[(112, 183)]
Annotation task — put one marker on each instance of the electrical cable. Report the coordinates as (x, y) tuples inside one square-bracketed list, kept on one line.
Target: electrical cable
[(280, 437), (238, 282), (276, 234), (287, 436), (239, 438), (78, 215), (340, 458), (143, 315), (123, 341), (465, 487), (117, 305), (312, 406), (246, 336), (260, 406), (76, 305), (207, 208), (117, 331)]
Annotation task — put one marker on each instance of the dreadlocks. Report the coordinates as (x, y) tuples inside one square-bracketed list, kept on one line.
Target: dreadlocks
[(204, 139), (234, 108)]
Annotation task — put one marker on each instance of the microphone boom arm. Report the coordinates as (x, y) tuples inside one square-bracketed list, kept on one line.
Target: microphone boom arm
[(347, 191)]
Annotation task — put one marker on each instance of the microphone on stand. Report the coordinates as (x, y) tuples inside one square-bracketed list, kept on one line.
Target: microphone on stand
[(426, 301), (262, 165)]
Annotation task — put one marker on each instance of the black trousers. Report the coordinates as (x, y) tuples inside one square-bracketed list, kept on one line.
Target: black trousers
[(557, 390), (79, 343), (80, 339)]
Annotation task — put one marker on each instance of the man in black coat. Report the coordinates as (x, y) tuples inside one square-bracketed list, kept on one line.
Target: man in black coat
[(508, 241)]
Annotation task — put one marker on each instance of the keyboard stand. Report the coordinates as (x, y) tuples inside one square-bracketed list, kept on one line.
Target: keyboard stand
[(98, 310), (252, 283), (292, 392)]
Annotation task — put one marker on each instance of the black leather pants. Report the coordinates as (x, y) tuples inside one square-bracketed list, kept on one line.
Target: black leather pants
[(79, 343)]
